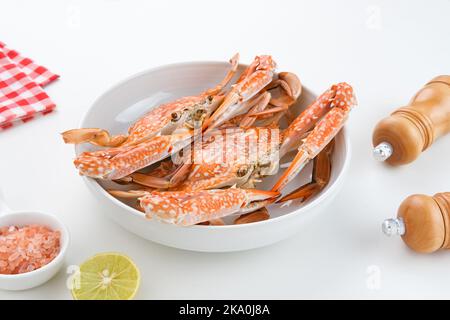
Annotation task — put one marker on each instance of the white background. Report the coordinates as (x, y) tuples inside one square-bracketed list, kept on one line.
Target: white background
[(386, 49)]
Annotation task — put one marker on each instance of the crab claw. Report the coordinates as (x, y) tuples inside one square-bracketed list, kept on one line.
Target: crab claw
[(339, 95), (341, 99), (190, 208), (119, 162), (255, 78)]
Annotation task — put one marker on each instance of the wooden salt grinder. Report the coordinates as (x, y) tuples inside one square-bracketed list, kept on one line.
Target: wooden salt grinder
[(401, 137), (423, 222)]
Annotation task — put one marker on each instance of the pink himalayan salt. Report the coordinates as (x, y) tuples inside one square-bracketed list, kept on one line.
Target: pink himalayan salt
[(24, 249)]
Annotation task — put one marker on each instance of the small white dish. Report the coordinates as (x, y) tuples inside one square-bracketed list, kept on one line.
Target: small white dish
[(39, 276), (121, 105)]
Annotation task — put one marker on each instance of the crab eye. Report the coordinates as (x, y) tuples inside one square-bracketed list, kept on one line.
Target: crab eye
[(210, 98), (175, 116), (242, 171), (198, 114)]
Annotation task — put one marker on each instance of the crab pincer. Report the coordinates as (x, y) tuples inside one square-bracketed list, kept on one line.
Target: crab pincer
[(328, 113), (116, 163), (190, 208)]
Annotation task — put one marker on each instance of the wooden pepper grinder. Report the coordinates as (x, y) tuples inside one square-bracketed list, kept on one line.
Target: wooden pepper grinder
[(401, 137), (423, 222)]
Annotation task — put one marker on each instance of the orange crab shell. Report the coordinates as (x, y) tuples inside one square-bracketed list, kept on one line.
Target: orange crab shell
[(189, 208), (158, 118), (231, 158)]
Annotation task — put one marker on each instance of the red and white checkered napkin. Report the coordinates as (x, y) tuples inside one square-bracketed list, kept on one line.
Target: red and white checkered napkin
[(21, 93)]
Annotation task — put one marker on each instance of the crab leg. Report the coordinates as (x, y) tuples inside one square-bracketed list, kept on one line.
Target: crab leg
[(214, 222), (234, 61), (255, 216), (164, 169), (272, 115), (189, 208), (257, 106), (235, 117), (96, 136), (260, 104), (252, 81), (156, 182), (320, 176), (130, 194), (341, 101), (291, 89)]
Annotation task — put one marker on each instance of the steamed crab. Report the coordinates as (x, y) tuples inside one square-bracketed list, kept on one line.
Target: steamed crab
[(188, 191), (321, 121)]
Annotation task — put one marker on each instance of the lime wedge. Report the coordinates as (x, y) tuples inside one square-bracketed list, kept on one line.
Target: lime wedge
[(106, 276)]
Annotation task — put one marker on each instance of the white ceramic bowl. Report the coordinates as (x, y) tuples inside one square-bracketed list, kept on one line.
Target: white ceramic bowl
[(121, 105), (37, 277)]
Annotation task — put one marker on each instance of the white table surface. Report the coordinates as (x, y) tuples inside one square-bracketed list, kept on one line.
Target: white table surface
[(386, 49)]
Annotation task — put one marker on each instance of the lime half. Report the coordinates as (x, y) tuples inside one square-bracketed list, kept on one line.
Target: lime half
[(106, 276)]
